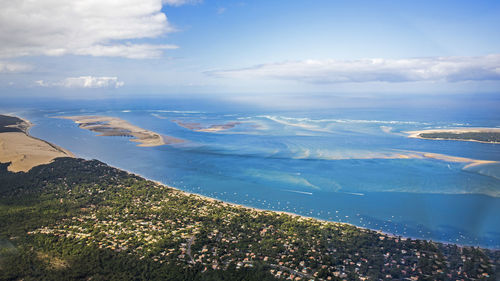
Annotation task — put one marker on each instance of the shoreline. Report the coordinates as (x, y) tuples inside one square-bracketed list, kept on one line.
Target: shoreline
[(256, 209), (24, 151)]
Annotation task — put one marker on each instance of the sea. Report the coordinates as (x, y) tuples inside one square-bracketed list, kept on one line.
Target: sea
[(351, 165)]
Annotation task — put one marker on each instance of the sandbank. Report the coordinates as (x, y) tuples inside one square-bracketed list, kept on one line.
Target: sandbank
[(197, 127), (443, 157), (113, 126)]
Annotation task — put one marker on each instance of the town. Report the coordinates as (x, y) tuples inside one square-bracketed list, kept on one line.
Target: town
[(100, 207)]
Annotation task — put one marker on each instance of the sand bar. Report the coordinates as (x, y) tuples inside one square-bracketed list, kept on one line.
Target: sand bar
[(24, 151), (454, 131), (197, 127), (447, 158), (113, 126), (404, 154)]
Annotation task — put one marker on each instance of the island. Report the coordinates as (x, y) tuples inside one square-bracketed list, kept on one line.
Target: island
[(197, 127), (484, 135), (21, 150), (76, 219), (113, 126)]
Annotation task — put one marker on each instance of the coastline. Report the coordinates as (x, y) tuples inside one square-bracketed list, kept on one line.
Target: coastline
[(200, 196), (304, 217), (24, 151), (123, 215)]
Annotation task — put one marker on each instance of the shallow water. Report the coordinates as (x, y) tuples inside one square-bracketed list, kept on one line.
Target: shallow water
[(340, 165)]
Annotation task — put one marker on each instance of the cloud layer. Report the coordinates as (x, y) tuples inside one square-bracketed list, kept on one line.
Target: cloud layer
[(451, 69), (84, 82), (86, 27)]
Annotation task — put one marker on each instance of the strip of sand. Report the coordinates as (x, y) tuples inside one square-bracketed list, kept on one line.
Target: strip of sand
[(197, 127), (408, 154), (443, 157), (25, 152), (113, 126), (457, 131), (472, 162)]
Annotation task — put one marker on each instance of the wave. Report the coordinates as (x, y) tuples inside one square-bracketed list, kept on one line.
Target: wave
[(357, 121), (298, 124), (336, 126)]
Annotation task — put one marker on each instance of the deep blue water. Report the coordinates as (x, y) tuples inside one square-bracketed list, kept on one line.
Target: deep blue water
[(336, 165)]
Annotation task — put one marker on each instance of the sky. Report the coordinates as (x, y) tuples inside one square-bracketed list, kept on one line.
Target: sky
[(248, 50)]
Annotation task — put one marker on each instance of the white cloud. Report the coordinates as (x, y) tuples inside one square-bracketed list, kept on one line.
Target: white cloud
[(84, 82), (180, 2), (85, 27), (13, 67), (133, 51), (451, 69)]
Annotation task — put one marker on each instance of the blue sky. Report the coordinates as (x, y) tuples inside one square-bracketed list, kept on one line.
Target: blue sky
[(249, 48)]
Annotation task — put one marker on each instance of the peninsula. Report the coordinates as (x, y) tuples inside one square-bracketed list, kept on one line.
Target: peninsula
[(113, 126), (484, 135)]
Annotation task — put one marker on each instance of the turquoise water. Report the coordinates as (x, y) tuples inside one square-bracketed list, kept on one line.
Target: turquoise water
[(341, 165)]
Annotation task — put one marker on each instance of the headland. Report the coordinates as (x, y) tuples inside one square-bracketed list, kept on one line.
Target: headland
[(484, 135)]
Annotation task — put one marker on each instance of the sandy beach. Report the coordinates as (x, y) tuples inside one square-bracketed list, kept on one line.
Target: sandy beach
[(25, 152), (255, 209), (417, 134), (113, 126)]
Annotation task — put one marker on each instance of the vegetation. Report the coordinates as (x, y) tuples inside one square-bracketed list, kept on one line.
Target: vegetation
[(83, 220), (476, 136), (11, 124)]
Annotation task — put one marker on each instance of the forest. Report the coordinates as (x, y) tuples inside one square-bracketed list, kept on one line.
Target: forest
[(76, 219), (476, 136)]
